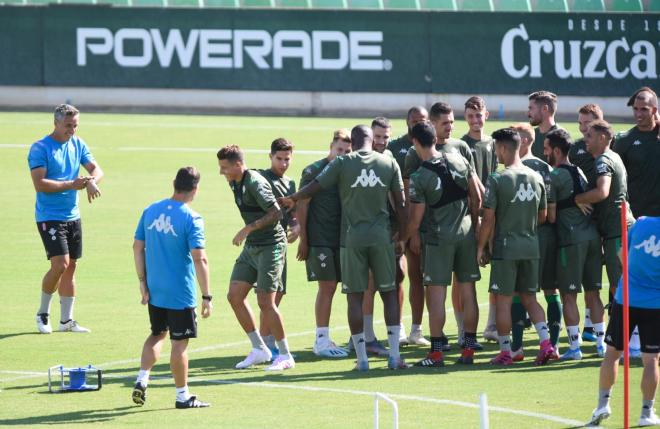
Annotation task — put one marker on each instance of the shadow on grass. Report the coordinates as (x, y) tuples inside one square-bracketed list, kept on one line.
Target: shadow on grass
[(17, 334), (84, 416)]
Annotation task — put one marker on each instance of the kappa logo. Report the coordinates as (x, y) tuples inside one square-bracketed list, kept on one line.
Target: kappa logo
[(455, 175), (344, 288), (427, 278), (188, 332), (524, 194), (637, 143), (572, 287), (163, 224), (581, 152), (312, 275), (367, 180), (403, 150), (494, 286), (650, 246)]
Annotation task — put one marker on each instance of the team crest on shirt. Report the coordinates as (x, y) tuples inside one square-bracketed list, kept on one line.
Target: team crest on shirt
[(601, 168)]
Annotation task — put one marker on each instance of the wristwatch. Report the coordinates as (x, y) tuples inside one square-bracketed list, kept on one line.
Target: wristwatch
[(207, 297)]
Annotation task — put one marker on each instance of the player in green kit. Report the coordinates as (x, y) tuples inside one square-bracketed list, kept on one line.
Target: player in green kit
[(541, 113), (442, 186), (548, 260), (610, 191), (281, 152), (320, 224), (399, 148), (514, 205), (262, 260), (579, 261), (639, 149), (365, 179)]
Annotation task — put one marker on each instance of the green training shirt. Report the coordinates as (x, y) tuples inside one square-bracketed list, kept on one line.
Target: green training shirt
[(537, 146), (282, 187), (579, 155), (573, 226), (412, 161), (254, 196), (364, 179), (485, 158), (324, 212), (399, 148), (608, 211), (516, 195), (640, 153), (448, 220)]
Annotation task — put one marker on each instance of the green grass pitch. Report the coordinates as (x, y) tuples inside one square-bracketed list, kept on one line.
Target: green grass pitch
[(140, 155)]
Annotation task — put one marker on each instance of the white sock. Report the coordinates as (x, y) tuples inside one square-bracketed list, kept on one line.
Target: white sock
[(599, 330), (415, 328), (458, 315), (66, 308), (573, 337), (269, 340), (360, 346), (143, 377), (393, 340), (492, 312), (542, 331), (634, 340), (283, 346), (46, 299), (322, 335), (368, 325), (402, 330), (182, 393), (587, 318)]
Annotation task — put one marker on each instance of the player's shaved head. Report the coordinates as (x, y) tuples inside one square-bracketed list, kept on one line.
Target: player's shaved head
[(417, 111), (361, 137), (644, 89), (649, 98)]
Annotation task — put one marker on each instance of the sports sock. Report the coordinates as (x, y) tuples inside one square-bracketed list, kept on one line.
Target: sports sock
[(573, 337), (269, 340), (143, 377), (360, 346), (517, 323), (505, 343), (458, 315), (283, 345), (436, 344), (393, 340), (542, 331), (46, 299), (182, 393), (66, 308), (634, 340), (256, 340), (402, 330), (415, 328), (599, 330), (647, 407), (554, 317), (604, 397), (368, 325), (470, 340), (492, 312), (322, 335), (588, 326)]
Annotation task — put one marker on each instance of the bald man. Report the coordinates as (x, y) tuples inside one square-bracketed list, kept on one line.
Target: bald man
[(639, 149)]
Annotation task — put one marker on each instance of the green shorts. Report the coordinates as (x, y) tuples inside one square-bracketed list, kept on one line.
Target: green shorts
[(611, 248), (261, 266), (356, 262), (440, 261), (548, 260), (580, 265), (323, 265), (514, 275)]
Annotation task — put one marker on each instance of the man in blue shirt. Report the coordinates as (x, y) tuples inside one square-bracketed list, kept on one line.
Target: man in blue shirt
[(644, 301), (169, 255), (55, 162)]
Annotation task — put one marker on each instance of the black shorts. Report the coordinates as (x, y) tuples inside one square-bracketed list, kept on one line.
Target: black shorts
[(648, 322), (182, 324), (61, 238)]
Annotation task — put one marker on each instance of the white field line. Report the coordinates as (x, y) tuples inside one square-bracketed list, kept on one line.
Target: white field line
[(189, 125), (34, 374), (177, 149)]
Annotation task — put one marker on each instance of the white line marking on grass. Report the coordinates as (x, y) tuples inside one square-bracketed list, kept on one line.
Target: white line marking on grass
[(186, 125), (206, 149), (505, 410), (14, 146)]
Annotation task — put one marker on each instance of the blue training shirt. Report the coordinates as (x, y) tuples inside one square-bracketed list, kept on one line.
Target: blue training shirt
[(62, 162), (170, 230), (643, 264)]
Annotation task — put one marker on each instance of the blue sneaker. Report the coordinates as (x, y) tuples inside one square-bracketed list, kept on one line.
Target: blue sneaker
[(589, 336), (396, 363), (600, 350), (275, 351), (362, 365), (376, 348), (572, 354)]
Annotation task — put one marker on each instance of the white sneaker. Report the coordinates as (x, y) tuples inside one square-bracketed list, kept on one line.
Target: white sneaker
[(417, 338), (256, 356), (490, 334), (599, 415), (403, 338), (43, 324), (651, 420), (281, 363), (72, 326), (329, 350)]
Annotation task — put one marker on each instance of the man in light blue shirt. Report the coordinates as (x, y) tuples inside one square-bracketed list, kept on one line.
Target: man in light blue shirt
[(169, 257), (55, 162), (644, 301)]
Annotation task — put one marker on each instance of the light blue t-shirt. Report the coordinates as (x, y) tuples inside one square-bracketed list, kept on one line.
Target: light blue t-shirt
[(62, 162), (170, 230), (643, 264)]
